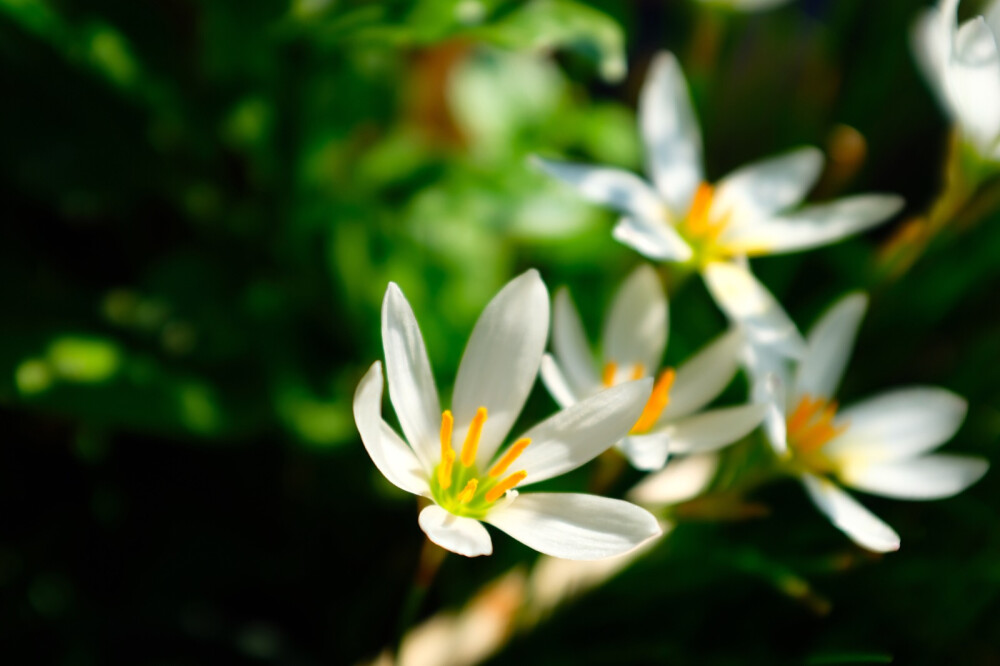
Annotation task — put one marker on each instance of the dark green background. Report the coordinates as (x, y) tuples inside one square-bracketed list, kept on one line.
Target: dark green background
[(202, 203)]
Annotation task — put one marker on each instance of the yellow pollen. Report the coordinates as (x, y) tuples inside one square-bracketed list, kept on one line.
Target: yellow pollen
[(608, 374), (638, 372), (515, 450), (810, 425), (468, 491), (496, 491), (444, 471), (447, 425), (657, 402), (698, 224), (471, 445)]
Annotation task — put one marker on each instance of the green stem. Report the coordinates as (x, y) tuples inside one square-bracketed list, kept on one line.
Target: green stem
[(431, 557)]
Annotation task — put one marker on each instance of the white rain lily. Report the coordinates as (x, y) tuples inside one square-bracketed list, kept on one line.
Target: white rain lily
[(962, 64), (473, 484), (635, 337), (881, 445), (680, 217)]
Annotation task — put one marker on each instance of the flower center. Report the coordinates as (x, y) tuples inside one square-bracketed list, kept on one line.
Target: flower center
[(461, 489), (810, 427), (699, 228), (658, 399)]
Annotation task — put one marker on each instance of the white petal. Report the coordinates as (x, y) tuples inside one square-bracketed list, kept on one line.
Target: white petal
[(575, 526), (579, 433), (465, 536), (752, 307), (931, 37), (557, 384), (714, 429), (829, 346), (615, 188), (771, 392), (924, 478), (683, 479), (412, 390), (390, 454), (898, 424), (854, 520), (973, 82), (652, 239), (646, 452), (670, 133), (635, 329), (702, 378), (768, 186), (569, 343), (813, 226), (501, 360)]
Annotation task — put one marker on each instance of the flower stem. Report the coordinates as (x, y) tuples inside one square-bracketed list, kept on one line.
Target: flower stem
[(431, 557)]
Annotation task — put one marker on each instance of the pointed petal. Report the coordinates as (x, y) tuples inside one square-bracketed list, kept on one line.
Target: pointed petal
[(570, 347), (390, 454), (579, 433), (829, 346), (702, 378), (924, 478), (575, 526), (768, 186), (635, 329), (620, 190), (714, 429), (670, 133), (770, 384), (895, 425), (973, 82), (682, 480), (931, 39), (646, 452), (557, 384), (465, 536), (753, 309), (501, 360), (854, 520), (813, 226), (652, 239)]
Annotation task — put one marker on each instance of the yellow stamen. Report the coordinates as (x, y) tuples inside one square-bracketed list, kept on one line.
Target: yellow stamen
[(496, 491), (638, 372), (468, 491), (608, 375), (657, 402), (471, 445), (811, 424), (515, 450), (698, 223), (444, 470), (447, 425)]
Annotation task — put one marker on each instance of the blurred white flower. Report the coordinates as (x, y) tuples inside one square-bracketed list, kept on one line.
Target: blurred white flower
[(634, 339), (497, 371), (962, 64), (680, 217), (881, 445)]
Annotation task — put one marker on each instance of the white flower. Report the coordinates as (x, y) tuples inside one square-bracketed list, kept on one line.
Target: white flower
[(635, 337), (881, 445), (680, 217), (474, 483), (962, 64)]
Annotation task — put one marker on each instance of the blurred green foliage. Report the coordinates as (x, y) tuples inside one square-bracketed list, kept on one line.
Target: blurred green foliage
[(203, 204)]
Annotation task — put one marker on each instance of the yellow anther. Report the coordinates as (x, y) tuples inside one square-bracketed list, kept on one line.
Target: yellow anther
[(698, 223), (638, 372), (608, 374), (444, 470), (657, 402), (496, 491), (810, 425), (447, 426), (468, 491), (471, 445), (515, 450)]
